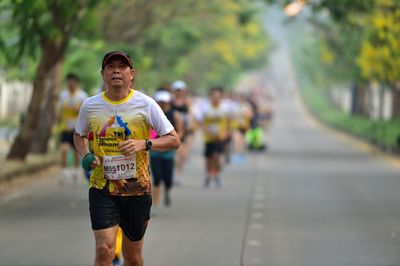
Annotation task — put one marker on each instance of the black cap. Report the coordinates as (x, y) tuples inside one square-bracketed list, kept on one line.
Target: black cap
[(112, 54)]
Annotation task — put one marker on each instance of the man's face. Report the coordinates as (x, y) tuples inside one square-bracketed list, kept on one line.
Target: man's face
[(117, 73), (179, 93), (215, 97), (72, 84)]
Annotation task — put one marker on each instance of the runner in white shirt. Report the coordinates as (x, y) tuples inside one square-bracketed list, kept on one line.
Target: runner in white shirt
[(70, 100), (120, 188), (213, 115)]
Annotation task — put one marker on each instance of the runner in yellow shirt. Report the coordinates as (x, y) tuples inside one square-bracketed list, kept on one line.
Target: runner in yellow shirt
[(213, 115), (120, 188), (70, 100)]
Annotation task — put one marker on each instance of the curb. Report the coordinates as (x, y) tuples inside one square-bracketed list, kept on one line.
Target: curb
[(23, 168), (343, 135)]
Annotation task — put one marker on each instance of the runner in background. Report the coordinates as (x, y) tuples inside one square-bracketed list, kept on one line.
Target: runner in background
[(213, 116), (162, 162), (230, 106), (182, 104), (70, 100), (240, 125), (255, 135)]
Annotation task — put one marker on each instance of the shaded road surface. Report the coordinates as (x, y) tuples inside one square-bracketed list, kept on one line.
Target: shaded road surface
[(312, 200)]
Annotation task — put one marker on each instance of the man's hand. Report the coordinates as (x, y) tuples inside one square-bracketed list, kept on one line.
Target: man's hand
[(96, 162), (90, 161), (131, 146)]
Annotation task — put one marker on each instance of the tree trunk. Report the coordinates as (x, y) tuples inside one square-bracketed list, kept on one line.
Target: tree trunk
[(51, 54), (48, 114), (396, 102), (362, 106), (360, 100)]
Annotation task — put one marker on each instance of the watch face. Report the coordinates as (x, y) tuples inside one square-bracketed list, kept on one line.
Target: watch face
[(149, 144)]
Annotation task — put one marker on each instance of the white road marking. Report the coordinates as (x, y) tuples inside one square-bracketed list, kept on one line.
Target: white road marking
[(254, 243)]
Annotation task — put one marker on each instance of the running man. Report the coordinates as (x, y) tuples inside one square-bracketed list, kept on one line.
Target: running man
[(70, 100), (120, 188), (240, 125), (181, 103), (162, 163), (214, 118)]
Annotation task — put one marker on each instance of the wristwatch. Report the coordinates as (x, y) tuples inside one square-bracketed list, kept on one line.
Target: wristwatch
[(149, 144)]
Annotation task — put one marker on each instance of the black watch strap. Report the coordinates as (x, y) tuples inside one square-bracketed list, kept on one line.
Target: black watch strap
[(149, 144)]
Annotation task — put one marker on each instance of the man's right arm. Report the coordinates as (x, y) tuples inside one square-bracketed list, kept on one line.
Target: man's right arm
[(81, 145), (80, 132)]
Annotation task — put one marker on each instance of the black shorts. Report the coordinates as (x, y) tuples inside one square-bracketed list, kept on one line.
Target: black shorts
[(131, 213), (213, 147), (162, 170), (242, 131), (68, 137)]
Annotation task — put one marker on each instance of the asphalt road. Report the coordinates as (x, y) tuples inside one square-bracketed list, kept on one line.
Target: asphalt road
[(312, 200)]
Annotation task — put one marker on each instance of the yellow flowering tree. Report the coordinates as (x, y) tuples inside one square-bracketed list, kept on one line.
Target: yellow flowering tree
[(379, 58), (203, 42)]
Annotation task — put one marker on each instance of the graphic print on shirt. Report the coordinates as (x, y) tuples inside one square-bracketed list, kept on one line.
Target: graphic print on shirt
[(120, 170), (112, 122), (215, 122)]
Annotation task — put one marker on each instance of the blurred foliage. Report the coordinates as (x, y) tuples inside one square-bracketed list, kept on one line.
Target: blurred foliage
[(384, 133), (339, 10), (360, 38), (379, 58), (26, 27), (315, 94), (365, 36), (205, 43), (83, 60), (315, 74), (339, 46), (343, 10), (28, 24), (357, 43), (341, 30)]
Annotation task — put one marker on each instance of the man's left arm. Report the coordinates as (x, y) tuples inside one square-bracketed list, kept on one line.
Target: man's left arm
[(165, 142), (169, 141)]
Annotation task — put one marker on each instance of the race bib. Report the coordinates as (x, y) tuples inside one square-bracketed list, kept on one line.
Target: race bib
[(119, 167), (213, 129)]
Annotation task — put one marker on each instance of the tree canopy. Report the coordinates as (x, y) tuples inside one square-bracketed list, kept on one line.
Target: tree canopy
[(379, 58), (205, 43)]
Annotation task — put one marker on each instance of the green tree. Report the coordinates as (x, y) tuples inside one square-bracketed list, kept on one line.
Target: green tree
[(44, 29), (379, 58), (232, 45), (201, 42), (341, 28)]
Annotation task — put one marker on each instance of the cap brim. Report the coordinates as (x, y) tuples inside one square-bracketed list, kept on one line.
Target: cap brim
[(162, 96), (117, 54)]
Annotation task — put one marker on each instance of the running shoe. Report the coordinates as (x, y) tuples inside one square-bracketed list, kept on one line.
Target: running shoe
[(167, 200), (117, 262)]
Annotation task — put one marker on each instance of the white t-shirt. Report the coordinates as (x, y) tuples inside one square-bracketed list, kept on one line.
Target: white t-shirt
[(69, 104), (113, 122), (214, 119)]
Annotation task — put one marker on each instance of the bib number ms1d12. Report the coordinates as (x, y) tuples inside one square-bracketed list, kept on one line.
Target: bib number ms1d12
[(119, 167)]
